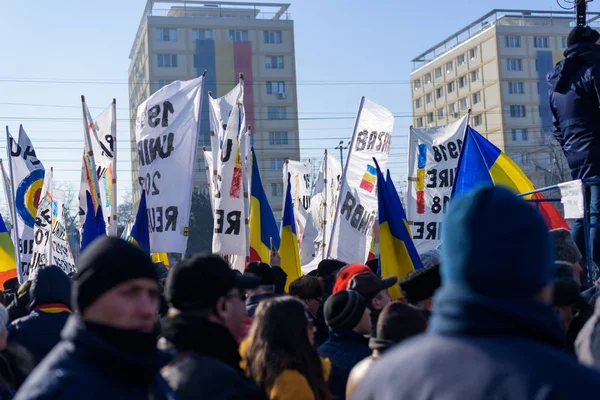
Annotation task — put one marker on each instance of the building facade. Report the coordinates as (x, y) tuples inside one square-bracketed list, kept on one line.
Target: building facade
[(496, 67), (180, 42)]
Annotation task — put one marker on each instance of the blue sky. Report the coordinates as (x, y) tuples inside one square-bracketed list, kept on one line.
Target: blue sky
[(43, 48)]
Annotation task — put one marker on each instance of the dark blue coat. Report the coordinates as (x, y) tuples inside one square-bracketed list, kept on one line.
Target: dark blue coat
[(344, 349), (480, 348), (85, 366), (574, 101), (39, 331), (252, 302)]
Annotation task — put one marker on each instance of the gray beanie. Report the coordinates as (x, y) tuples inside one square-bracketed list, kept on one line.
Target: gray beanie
[(565, 248), (344, 309)]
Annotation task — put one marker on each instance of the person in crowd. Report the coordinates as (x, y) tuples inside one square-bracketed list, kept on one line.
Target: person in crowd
[(493, 332), (280, 279), (566, 250), (419, 286), (346, 273), (327, 271), (397, 322), (7, 391), (281, 356), (50, 304), (349, 320), (206, 300), (108, 348), (162, 272), (375, 292), (19, 307), (309, 290), (575, 107), (265, 290)]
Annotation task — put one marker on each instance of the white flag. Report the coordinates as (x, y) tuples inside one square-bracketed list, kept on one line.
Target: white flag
[(102, 135), (300, 190), (27, 173), (219, 110), (356, 212), (229, 236), (432, 160), (166, 134)]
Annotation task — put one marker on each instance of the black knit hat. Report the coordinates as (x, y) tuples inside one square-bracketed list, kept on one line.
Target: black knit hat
[(328, 267), (344, 309), (263, 271), (421, 284), (582, 34), (107, 262), (397, 321)]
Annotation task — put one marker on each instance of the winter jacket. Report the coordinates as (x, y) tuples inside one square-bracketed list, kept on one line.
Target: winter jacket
[(574, 102), (481, 348), (252, 302), (207, 365), (50, 296), (344, 349), (85, 365)]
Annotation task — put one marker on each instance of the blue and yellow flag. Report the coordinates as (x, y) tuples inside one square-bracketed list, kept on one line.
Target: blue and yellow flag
[(93, 226), (8, 262), (263, 227), (288, 249), (482, 163), (398, 254), (140, 234)]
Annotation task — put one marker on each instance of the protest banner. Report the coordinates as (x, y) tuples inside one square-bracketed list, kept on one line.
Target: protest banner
[(301, 191)]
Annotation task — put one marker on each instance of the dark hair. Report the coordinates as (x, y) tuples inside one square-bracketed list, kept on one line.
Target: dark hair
[(306, 287), (278, 341)]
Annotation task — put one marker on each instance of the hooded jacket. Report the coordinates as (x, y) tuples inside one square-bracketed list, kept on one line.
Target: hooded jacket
[(50, 301), (479, 347), (575, 104)]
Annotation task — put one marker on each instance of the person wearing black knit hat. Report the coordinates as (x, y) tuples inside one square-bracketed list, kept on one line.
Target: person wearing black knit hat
[(109, 345), (349, 320), (327, 272), (265, 290), (419, 286)]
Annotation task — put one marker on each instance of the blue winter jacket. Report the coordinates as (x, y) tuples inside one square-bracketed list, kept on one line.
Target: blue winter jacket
[(481, 348), (85, 366), (575, 103), (344, 349)]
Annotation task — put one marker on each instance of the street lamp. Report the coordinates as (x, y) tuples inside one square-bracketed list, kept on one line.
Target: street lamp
[(341, 148)]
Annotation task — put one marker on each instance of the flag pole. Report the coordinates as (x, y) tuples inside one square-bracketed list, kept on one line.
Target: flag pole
[(90, 153), (113, 203), (325, 189), (50, 262), (17, 241)]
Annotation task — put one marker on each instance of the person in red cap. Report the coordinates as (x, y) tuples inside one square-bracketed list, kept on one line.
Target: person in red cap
[(347, 273)]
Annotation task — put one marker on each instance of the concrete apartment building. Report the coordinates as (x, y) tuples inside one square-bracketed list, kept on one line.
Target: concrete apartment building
[(496, 66), (180, 40)]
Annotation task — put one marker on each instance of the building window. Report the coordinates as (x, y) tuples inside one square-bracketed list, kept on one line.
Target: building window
[(202, 34), (440, 113), (474, 76), (477, 120), (418, 103), (428, 77), (417, 84), (272, 37), (277, 189), (167, 60), (517, 111), (519, 135), (452, 109), (274, 62), (540, 42), (275, 87), (473, 53), (461, 60), (419, 122), (277, 164), (462, 81), (512, 41), (438, 72), (238, 35), (463, 103), (439, 92), (450, 87), (449, 66), (166, 34), (430, 117), (278, 138), (476, 97), (563, 41), (516, 88), (276, 112), (428, 98), (514, 64)]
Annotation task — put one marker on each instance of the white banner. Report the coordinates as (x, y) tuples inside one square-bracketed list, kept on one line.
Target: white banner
[(432, 159), (301, 192), (229, 235), (322, 208), (103, 135), (219, 111), (166, 134), (27, 173), (356, 212)]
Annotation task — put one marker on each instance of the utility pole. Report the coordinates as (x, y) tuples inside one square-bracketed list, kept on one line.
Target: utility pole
[(341, 148), (581, 12)]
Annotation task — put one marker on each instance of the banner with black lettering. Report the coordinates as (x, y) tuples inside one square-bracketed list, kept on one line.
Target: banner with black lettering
[(166, 134), (27, 174), (301, 191), (356, 212), (432, 159), (219, 111), (229, 235)]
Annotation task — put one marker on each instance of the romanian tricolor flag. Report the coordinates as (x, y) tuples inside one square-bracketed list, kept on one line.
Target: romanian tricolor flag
[(397, 253), (263, 228), (8, 263), (288, 249), (140, 234), (483, 163), (162, 258)]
